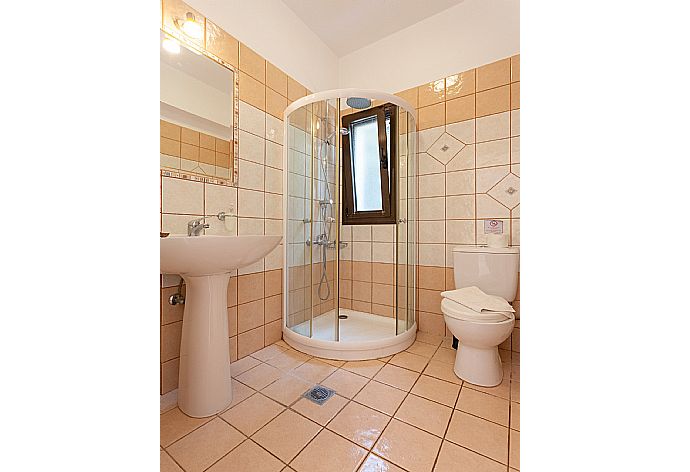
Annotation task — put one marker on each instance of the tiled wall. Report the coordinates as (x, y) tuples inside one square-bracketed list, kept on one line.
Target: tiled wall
[(469, 172), (254, 296)]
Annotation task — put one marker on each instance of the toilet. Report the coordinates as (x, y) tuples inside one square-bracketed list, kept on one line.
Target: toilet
[(495, 271)]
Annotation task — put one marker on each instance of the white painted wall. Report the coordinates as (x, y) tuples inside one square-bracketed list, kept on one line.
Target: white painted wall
[(468, 35), (273, 30)]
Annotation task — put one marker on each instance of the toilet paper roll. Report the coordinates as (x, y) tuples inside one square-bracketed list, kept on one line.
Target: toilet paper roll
[(497, 240)]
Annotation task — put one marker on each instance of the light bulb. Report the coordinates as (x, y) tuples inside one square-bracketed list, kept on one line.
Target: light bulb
[(192, 28), (171, 46)]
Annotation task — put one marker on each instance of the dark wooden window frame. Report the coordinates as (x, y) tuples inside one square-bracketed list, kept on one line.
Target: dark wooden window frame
[(387, 167)]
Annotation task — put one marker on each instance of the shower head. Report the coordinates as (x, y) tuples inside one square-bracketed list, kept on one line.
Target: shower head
[(358, 102)]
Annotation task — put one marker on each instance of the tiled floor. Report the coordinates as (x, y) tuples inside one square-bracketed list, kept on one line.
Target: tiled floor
[(407, 412)]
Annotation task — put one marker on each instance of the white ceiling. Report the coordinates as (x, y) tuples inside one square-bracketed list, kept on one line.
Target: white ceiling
[(346, 26)]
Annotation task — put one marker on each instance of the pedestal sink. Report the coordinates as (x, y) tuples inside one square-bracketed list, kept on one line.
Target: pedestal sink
[(205, 263)]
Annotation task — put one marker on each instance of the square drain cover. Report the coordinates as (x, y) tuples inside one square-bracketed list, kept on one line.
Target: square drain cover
[(319, 394)]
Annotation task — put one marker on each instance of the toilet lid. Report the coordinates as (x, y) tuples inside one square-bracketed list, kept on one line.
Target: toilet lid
[(461, 312)]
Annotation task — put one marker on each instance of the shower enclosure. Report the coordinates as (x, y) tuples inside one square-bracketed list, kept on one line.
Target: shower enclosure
[(349, 289)]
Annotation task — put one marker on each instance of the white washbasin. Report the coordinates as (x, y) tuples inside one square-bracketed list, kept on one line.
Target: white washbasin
[(205, 263), (211, 254)]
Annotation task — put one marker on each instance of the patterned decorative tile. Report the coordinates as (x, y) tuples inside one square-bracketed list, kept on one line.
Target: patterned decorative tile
[(507, 191), (445, 148)]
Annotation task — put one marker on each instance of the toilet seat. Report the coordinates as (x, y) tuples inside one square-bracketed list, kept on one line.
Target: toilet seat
[(461, 312)]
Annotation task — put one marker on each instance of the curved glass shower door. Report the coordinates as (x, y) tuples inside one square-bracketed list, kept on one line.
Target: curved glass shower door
[(348, 284), (312, 230)]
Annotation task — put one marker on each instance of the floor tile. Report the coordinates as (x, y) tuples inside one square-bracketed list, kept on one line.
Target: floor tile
[(345, 383), (514, 455), (287, 389), (487, 406), (359, 423), (482, 436), (397, 377), (314, 371), (443, 371), (174, 424), (268, 352), (515, 391), (501, 390), (436, 390), (167, 464), (321, 414), (380, 397), (408, 447), (204, 446), (365, 368), (453, 458), (333, 362), (433, 339), (515, 416), (447, 342), (445, 355), (374, 463), (260, 376), (240, 392), (409, 361), (248, 457), (286, 435), (422, 349), (329, 452), (250, 415), (243, 365), (430, 416), (289, 359)]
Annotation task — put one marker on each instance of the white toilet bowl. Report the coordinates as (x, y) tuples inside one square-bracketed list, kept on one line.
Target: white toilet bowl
[(477, 360)]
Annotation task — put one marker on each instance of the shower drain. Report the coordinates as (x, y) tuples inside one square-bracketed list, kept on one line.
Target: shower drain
[(319, 394), (342, 317)]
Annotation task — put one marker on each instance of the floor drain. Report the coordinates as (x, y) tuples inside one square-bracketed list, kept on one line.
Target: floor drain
[(319, 394), (342, 317)]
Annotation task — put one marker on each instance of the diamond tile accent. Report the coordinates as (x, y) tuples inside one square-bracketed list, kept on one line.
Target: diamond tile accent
[(445, 148), (507, 191), (428, 136)]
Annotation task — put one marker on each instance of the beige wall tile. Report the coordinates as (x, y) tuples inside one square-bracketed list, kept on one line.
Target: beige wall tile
[(250, 341), (276, 79), (170, 130), (515, 95), (222, 44), (252, 91), (410, 95), (496, 100), (430, 277), (171, 334), (493, 75), (459, 85), (515, 68), (431, 93), (250, 315), (252, 63), (250, 287), (169, 375), (275, 103), (431, 116), (170, 147), (460, 109), (295, 89)]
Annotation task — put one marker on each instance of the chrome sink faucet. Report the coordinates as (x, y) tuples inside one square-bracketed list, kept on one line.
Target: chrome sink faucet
[(195, 227)]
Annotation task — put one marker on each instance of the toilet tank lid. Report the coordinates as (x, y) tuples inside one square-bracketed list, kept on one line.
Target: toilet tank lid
[(487, 250)]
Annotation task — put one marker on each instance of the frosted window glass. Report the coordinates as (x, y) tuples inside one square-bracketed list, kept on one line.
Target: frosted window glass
[(366, 166)]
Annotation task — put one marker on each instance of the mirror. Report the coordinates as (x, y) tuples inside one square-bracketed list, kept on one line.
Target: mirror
[(198, 112)]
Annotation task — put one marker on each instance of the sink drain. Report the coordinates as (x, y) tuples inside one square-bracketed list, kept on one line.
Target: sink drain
[(319, 394)]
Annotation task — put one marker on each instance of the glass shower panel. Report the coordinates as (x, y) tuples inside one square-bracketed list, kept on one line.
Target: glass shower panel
[(401, 226), (412, 219), (324, 221), (299, 255)]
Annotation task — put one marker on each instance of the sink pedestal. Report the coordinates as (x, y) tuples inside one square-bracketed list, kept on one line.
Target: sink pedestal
[(204, 382)]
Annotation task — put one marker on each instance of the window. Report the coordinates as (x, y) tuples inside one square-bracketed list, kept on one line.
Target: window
[(369, 166)]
